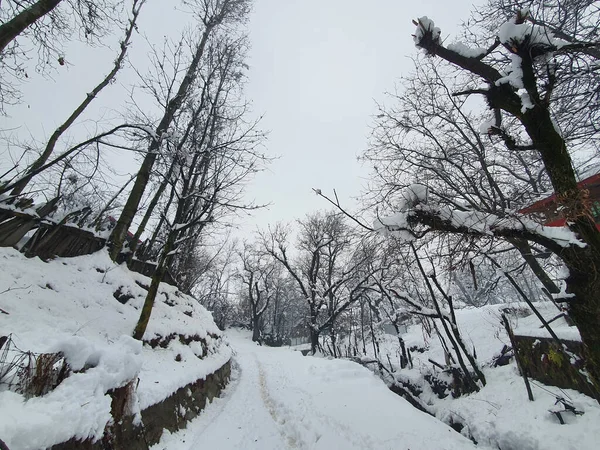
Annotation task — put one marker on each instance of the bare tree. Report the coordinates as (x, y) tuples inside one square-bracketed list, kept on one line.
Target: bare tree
[(259, 278), (47, 24), (219, 154), (325, 270), (212, 14), (20, 184), (524, 97), (213, 281)]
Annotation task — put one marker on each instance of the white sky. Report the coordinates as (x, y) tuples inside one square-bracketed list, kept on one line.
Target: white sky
[(316, 70)]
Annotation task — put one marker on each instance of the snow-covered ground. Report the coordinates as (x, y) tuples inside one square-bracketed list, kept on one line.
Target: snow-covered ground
[(280, 399), (500, 415), (68, 305)]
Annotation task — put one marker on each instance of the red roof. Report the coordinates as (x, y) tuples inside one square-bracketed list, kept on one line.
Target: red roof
[(547, 207)]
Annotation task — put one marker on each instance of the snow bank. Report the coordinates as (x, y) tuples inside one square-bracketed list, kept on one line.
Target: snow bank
[(70, 306), (79, 406), (500, 415)]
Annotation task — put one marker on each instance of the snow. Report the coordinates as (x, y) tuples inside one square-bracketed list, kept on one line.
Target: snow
[(511, 33), (415, 193), (278, 398), (500, 415), (425, 24), (464, 50), (78, 406), (487, 126), (531, 326), (67, 305), (281, 399), (395, 225), (484, 223)]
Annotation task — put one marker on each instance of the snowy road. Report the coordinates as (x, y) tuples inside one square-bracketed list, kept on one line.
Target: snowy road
[(282, 400)]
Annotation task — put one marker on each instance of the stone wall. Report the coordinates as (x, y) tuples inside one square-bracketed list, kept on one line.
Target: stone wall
[(545, 361), (172, 414)]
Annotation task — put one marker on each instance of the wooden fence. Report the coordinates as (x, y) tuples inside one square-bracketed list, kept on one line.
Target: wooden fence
[(28, 227)]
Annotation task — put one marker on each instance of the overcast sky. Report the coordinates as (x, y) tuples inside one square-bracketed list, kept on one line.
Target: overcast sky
[(317, 67)]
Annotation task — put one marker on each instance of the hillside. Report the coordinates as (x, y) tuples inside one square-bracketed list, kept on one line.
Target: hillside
[(85, 308)]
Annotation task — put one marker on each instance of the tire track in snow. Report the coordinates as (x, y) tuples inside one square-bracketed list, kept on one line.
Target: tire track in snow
[(212, 415), (240, 420), (314, 422), (285, 428)]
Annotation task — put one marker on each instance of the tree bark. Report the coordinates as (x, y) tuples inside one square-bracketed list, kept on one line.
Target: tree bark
[(255, 328), (158, 276), (11, 29)]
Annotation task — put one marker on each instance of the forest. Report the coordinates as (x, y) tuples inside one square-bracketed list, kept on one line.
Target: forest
[(481, 195)]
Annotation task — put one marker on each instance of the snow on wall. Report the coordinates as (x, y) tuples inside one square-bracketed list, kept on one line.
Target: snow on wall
[(68, 305)]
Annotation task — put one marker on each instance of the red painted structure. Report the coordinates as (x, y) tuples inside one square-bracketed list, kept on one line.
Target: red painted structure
[(546, 210)]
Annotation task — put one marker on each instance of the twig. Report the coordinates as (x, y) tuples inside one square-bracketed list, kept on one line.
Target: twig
[(522, 369), (14, 289), (437, 364), (342, 210)]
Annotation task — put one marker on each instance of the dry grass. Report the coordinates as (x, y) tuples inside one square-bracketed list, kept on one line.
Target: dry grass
[(28, 373)]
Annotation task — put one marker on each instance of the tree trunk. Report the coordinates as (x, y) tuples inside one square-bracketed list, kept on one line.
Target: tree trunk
[(117, 237), (314, 340), (333, 342), (583, 263), (313, 330), (159, 274), (11, 29), (584, 309), (255, 328)]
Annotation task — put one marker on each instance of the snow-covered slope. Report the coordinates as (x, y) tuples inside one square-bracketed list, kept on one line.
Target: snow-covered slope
[(70, 306), (500, 415)]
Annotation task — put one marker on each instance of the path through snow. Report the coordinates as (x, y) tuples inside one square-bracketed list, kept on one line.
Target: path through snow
[(279, 399)]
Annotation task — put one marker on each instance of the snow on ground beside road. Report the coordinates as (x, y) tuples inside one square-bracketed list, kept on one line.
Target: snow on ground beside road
[(68, 305), (500, 415), (281, 399)]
